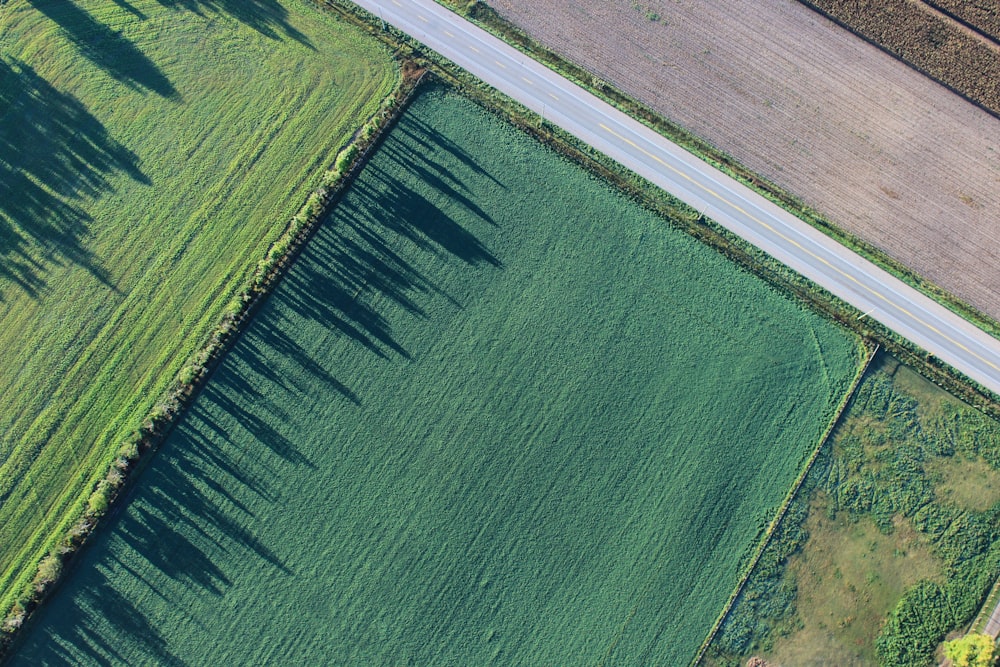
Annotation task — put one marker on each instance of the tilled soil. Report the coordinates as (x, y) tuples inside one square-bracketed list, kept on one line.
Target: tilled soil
[(923, 36), (882, 151)]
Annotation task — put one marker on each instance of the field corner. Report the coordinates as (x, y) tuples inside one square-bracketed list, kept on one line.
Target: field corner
[(868, 352)]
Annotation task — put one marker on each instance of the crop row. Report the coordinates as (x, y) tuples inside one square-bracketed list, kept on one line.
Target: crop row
[(935, 45), (983, 15)]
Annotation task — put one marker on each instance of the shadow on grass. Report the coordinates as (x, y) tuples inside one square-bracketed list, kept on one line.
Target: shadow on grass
[(131, 9), (53, 152), (76, 643), (236, 455), (106, 48), (268, 17)]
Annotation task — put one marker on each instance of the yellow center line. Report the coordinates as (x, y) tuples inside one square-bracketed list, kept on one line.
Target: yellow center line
[(500, 63), (421, 17), (787, 239), (553, 97), (473, 48), (449, 34)]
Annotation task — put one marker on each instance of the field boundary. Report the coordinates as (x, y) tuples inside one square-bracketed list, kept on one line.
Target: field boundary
[(933, 369), (936, 6), (792, 493), (134, 456)]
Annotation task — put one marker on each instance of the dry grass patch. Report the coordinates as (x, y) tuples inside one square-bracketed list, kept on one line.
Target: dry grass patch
[(972, 484), (849, 577)]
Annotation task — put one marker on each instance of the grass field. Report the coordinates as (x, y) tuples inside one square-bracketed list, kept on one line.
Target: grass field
[(895, 542), (150, 151), (495, 413)]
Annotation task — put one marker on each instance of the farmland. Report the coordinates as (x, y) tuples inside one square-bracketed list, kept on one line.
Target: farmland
[(982, 15), (880, 150), (495, 413), (930, 40), (893, 543), (150, 152)]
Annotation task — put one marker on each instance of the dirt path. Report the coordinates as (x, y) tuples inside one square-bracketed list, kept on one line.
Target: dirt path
[(881, 150)]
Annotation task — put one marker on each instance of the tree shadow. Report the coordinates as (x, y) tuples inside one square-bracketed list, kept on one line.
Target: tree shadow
[(131, 9), (53, 153), (77, 637), (234, 456), (106, 48), (268, 17), (427, 136)]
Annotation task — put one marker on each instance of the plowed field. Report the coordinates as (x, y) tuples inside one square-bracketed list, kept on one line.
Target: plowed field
[(882, 151)]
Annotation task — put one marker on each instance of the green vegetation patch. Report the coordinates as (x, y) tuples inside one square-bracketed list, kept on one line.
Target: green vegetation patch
[(150, 152), (889, 546), (495, 413)]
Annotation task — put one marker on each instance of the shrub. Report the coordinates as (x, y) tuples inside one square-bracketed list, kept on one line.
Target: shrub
[(49, 570)]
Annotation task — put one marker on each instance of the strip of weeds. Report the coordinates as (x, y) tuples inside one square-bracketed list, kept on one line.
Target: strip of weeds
[(487, 18), (134, 455)]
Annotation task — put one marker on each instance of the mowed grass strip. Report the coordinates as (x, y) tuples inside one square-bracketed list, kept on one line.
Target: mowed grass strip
[(150, 152), (495, 414)]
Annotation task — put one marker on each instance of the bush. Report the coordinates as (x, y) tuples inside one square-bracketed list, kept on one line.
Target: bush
[(973, 650), (97, 504), (48, 571)]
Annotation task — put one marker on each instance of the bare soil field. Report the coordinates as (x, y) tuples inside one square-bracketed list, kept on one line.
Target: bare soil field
[(882, 151), (924, 36)]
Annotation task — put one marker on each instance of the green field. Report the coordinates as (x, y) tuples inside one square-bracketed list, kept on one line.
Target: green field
[(496, 413), (150, 152), (894, 542)]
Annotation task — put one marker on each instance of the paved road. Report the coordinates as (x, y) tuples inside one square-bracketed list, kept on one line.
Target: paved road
[(993, 623), (726, 201)]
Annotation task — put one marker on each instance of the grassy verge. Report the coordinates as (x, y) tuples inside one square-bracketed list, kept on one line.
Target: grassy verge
[(154, 158), (487, 18), (456, 434)]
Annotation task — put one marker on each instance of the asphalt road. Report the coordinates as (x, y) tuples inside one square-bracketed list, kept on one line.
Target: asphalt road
[(872, 291), (993, 623)]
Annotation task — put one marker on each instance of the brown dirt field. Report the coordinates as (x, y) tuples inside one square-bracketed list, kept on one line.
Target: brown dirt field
[(984, 15), (928, 39), (882, 151)]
